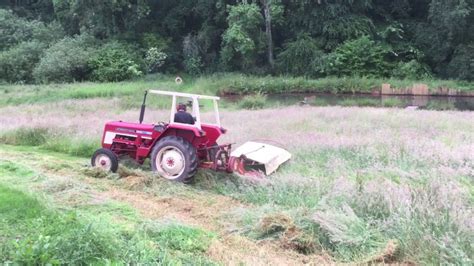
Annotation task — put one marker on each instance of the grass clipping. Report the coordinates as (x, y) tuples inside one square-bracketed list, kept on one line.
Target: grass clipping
[(290, 236)]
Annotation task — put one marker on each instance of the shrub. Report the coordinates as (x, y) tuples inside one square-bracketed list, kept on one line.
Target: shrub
[(411, 70), (17, 63), (154, 59), (193, 65), (301, 57), (115, 61), (360, 57), (66, 60), (255, 101)]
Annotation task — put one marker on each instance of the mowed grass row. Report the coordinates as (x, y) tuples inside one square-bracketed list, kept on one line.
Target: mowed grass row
[(218, 84), (33, 230)]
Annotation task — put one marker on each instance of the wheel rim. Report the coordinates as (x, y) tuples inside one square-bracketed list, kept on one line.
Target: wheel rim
[(170, 162), (103, 161)]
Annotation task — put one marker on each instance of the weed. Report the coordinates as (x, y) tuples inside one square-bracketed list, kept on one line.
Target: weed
[(255, 101)]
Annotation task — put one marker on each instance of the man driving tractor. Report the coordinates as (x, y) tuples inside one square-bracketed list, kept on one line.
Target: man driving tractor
[(181, 116)]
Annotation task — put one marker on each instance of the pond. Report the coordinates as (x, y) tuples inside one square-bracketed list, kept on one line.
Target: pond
[(406, 101)]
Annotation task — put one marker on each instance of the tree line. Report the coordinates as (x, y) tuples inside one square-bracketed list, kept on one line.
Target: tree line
[(72, 40)]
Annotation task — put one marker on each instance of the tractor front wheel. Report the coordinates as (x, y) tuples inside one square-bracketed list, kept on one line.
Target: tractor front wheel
[(174, 159), (105, 159)]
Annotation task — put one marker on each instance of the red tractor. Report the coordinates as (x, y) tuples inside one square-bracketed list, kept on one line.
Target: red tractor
[(175, 149)]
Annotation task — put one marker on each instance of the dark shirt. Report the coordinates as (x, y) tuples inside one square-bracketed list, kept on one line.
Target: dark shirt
[(183, 117)]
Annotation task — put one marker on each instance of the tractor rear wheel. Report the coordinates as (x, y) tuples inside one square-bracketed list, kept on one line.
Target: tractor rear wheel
[(175, 159), (105, 159)]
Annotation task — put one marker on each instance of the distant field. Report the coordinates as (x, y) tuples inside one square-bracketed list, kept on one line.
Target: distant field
[(364, 185), (132, 91)]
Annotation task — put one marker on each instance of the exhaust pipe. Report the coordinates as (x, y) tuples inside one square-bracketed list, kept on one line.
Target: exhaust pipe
[(142, 110)]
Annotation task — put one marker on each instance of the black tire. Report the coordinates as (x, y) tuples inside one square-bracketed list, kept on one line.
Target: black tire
[(179, 146), (110, 160)]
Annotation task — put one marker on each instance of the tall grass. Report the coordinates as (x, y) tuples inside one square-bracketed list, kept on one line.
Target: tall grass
[(49, 140)]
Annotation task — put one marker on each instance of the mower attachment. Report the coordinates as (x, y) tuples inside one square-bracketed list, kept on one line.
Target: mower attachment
[(255, 157)]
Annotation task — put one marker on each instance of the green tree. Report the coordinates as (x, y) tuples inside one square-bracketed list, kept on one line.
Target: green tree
[(14, 30), (242, 41), (103, 19)]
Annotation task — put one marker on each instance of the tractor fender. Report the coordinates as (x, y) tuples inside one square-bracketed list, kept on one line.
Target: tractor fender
[(177, 127), (188, 132)]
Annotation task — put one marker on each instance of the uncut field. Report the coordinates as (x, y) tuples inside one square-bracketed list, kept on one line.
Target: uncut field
[(364, 185)]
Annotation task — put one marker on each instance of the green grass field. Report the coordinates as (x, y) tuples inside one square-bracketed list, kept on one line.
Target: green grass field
[(364, 185)]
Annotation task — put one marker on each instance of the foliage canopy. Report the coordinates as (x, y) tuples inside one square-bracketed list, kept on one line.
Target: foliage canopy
[(379, 38)]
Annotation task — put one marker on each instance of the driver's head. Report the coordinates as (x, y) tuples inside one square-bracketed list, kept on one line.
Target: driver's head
[(181, 107)]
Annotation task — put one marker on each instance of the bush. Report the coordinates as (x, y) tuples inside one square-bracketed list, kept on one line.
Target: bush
[(301, 57), (154, 59), (66, 60), (360, 57), (17, 63), (411, 70), (115, 61), (193, 65)]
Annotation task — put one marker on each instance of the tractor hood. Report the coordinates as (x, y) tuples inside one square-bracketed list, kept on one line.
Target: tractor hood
[(261, 154)]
